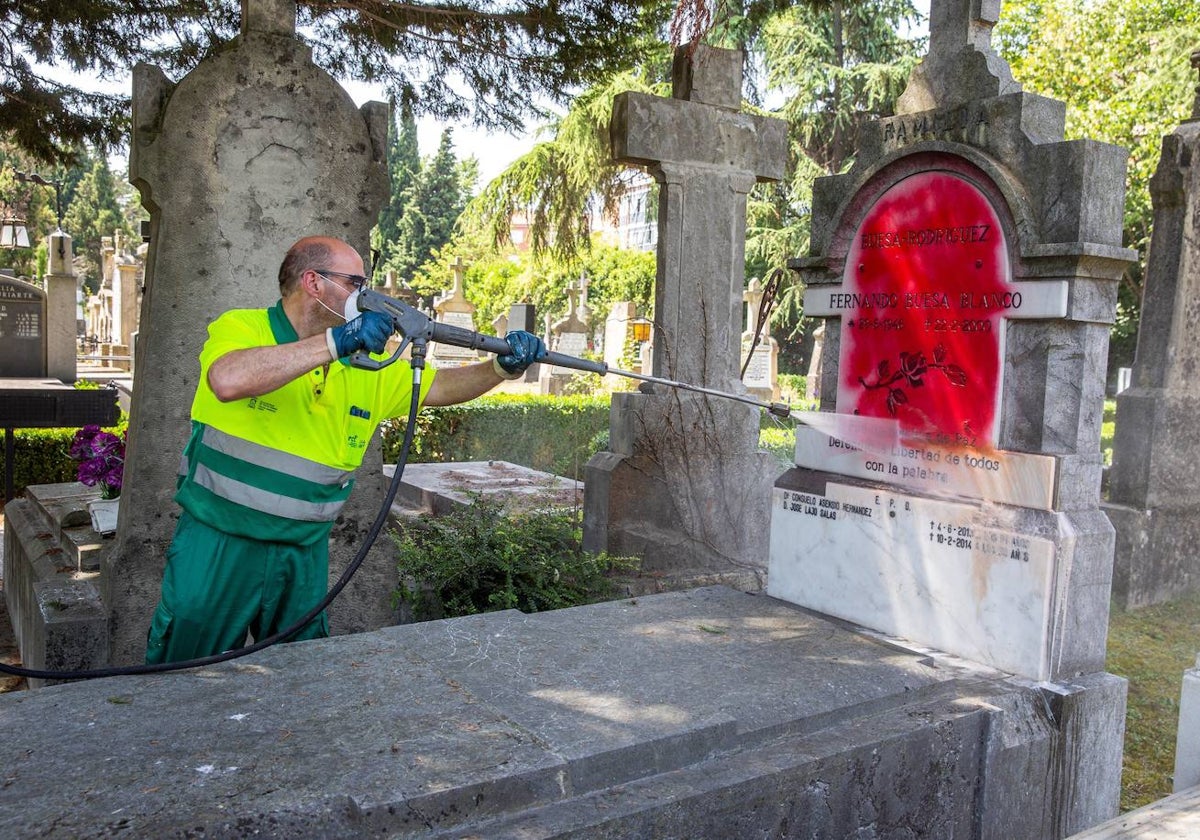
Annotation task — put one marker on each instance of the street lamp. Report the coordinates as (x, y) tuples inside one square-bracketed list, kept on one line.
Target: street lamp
[(12, 232), (20, 236)]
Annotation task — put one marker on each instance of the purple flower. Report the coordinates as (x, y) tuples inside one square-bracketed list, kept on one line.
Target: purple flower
[(101, 457)]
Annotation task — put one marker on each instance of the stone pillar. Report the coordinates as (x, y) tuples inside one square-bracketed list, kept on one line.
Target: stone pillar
[(1153, 494), (61, 309), (253, 149), (684, 485)]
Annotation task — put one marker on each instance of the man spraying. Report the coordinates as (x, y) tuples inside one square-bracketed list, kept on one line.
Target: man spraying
[(280, 421)]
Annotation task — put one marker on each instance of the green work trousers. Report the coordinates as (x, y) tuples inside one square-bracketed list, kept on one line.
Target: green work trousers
[(218, 587)]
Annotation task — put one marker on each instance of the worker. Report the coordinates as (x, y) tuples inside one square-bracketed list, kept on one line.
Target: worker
[(280, 421)]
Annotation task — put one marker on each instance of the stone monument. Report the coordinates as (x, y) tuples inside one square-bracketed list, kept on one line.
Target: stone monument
[(249, 152), (967, 269), (684, 485), (22, 329), (454, 309), (617, 332), (1153, 493), (568, 335)]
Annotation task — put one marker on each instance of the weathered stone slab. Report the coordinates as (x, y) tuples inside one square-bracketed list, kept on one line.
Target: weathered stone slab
[(709, 713), (54, 604), (442, 487)]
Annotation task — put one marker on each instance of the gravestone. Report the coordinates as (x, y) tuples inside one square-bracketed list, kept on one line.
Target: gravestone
[(454, 309), (567, 335), (966, 267), (762, 371), (1153, 494), (22, 329), (253, 149), (684, 485)]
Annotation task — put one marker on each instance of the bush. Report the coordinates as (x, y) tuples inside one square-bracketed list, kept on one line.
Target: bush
[(481, 559), (40, 457)]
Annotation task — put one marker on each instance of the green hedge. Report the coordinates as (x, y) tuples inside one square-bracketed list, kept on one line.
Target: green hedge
[(39, 457), (552, 434)]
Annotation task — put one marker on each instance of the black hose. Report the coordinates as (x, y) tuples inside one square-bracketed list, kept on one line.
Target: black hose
[(288, 632)]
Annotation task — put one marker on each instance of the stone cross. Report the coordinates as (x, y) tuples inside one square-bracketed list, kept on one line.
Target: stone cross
[(683, 484), (707, 155), (954, 24), (270, 17), (584, 311), (961, 65), (460, 270), (753, 297)]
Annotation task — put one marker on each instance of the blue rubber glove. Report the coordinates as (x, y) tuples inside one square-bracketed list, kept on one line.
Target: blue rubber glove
[(369, 331), (525, 349)]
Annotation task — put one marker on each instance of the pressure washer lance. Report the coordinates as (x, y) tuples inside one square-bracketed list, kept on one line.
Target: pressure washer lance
[(871, 434)]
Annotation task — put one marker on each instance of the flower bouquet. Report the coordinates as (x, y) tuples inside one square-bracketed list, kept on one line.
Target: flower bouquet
[(101, 457)]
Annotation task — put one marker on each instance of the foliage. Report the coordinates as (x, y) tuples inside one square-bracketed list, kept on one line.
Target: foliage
[(552, 434), (404, 163), (480, 559), (497, 280), (562, 182), (101, 457), (839, 66), (94, 213), (432, 205), (1151, 647), (32, 202), (495, 63), (1130, 87), (40, 457)]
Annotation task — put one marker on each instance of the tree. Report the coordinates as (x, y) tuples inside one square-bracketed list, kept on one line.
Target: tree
[(404, 165), (1130, 87), (837, 66), (95, 212), (31, 203), (494, 63), (432, 206), (561, 182)]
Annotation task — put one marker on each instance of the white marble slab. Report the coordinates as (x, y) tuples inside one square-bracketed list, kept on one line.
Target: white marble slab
[(917, 568), (1011, 478)]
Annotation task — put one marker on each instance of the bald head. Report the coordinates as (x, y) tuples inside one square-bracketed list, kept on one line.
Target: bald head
[(315, 252)]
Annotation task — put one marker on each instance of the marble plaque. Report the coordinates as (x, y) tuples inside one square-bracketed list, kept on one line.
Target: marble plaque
[(1012, 478), (572, 344), (758, 372), (922, 569), (22, 329), (464, 320)]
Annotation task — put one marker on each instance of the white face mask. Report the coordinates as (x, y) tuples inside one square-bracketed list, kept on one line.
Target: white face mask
[(350, 309)]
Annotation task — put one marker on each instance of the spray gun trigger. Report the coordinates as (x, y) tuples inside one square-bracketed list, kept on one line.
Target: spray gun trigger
[(780, 410)]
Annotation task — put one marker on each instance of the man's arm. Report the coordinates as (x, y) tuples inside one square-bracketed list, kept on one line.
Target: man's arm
[(257, 370), (456, 385)]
